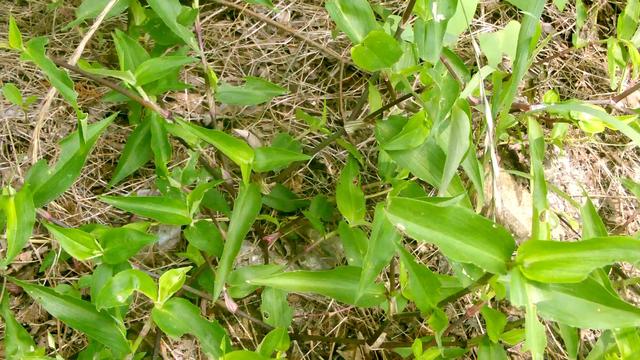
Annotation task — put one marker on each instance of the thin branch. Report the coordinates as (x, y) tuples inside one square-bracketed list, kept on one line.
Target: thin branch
[(117, 88)]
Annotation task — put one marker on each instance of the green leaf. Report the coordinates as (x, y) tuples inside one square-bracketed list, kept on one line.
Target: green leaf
[(412, 135), (77, 243), (80, 315), (276, 340), (353, 17), (489, 350), (136, 152), (377, 51), (631, 186), (35, 52), (160, 145), (380, 249), (354, 243), (349, 195), (430, 33), (170, 282), (12, 93), (458, 146), (164, 209), (18, 344), (461, 234), (122, 243), (571, 338), (130, 53), (20, 216), (282, 199), (15, 37), (120, 287), (275, 308), (338, 283), (540, 227), (244, 355), (495, 321), (245, 211), (235, 149), (266, 3), (168, 11), (178, 316), (205, 236), (570, 262), (160, 67), (502, 42), (48, 183), (592, 224), (423, 286), (90, 9), (274, 158), (527, 35), (254, 91), (628, 341), (238, 280), (591, 305)]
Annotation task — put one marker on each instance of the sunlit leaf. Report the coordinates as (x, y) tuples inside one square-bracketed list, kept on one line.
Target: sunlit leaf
[(119, 288), (254, 91), (77, 243), (377, 51), (166, 210), (349, 194), (354, 17), (168, 11), (20, 216)]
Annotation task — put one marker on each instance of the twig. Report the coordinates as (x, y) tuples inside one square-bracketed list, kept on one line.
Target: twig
[(325, 50), (117, 88), (44, 110)]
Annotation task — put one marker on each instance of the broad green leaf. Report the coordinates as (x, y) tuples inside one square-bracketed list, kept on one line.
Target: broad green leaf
[(235, 149), (592, 224), (205, 236), (628, 341), (495, 321), (591, 305), (80, 315), (276, 340), (178, 316), (77, 243), (244, 355), (458, 146), (349, 195), (274, 158), (430, 33), (97, 69), (571, 262), (354, 17), (502, 42), (35, 51), (377, 51), (460, 21), (536, 338), (423, 286), (540, 227), (631, 186), (338, 283), (168, 11), (604, 348), (275, 308), (159, 67), (15, 37), (19, 216), (491, 350), (245, 211), (461, 234), (195, 197), (120, 287), (160, 145), (527, 35), (130, 53), (354, 243), (90, 9), (571, 338), (136, 152), (12, 93), (18, 344), (609, 120), (254, 91), (164, 209), (47, 183), (120, 244), (266, 3), (380, 249), (170, 282), (282, 199), (412, 135), (238, 280)]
